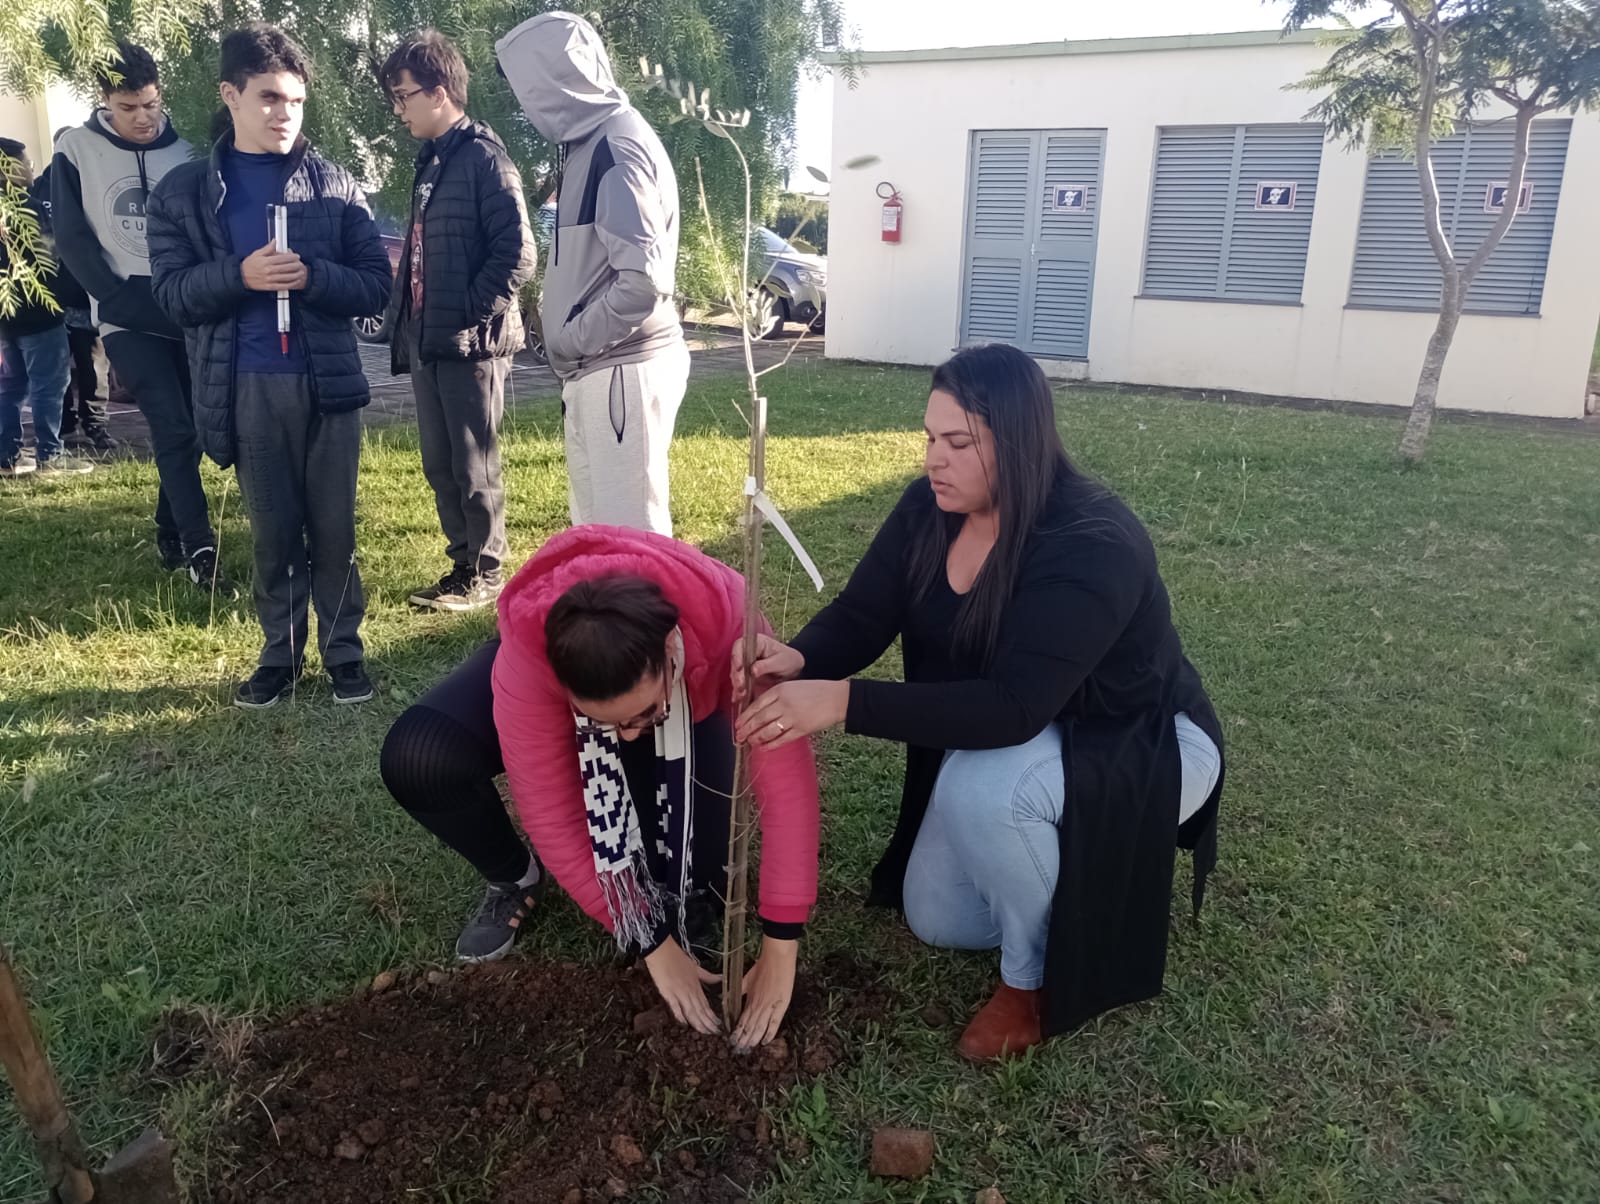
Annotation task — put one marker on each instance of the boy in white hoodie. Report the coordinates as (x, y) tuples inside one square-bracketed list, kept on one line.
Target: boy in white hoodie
[(104, 171), (610, 318)]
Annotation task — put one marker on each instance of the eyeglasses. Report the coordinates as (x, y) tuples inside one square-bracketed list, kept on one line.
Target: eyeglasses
[(663, 712), (401, 99)]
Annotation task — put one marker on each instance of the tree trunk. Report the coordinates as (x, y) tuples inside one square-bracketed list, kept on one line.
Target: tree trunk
[(1414, 443), (1457, 282)]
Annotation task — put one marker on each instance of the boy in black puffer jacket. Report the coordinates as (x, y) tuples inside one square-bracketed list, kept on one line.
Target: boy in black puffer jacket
[(283, 407), (454, 313)]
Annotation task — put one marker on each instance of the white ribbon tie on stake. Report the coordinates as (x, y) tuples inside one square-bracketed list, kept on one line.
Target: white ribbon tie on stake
[(769, 512)]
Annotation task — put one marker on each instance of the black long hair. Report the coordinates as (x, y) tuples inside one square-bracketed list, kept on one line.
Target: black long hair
[(1006, 389)]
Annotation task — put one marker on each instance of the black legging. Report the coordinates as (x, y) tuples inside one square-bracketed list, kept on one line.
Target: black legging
[(442, 755)]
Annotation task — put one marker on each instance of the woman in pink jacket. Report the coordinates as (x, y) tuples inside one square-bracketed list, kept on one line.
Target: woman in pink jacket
[(606, 701)]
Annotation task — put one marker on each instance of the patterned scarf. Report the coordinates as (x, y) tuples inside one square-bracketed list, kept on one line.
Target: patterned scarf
[(641, 883)]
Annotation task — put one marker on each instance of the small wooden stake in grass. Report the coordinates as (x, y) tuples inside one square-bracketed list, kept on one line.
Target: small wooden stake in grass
[(139, 1173), (61, 1151)]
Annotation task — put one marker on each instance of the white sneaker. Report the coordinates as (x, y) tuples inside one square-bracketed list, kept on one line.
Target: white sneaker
[(17, 468), (60, 466)]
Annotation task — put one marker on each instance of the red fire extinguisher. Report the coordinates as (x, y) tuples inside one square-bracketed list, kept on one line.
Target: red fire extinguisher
[(893, 210)]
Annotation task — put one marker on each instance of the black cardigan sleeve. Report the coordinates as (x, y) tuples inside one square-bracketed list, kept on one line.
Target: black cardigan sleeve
[(1075, 597), (857, 627)]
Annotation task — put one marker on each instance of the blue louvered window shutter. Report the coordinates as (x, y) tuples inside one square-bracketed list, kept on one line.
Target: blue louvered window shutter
[(1395, 267), (1210, 236), (997, 237)]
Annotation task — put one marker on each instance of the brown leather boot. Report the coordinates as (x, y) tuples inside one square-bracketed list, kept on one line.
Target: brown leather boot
[(1007, 1024)]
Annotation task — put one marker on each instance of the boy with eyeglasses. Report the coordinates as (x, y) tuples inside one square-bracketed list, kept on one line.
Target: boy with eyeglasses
[(454, 313)]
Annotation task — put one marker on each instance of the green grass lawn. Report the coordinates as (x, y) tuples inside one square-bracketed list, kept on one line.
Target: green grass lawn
[(1392, 994)]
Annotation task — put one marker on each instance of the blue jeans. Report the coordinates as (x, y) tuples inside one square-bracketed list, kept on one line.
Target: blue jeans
[(984, 867), (35, 368)]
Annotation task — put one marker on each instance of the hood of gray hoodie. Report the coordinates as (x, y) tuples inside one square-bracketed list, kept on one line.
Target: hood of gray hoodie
[(561, 74), (609, 279)]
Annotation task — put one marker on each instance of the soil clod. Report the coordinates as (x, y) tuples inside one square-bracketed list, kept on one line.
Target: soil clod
[(626, 1150), (652, 1020), (901, 1153)]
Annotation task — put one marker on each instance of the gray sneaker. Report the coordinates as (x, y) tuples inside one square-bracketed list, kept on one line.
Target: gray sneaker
[(18, 467), (62, 466), (496, 923)]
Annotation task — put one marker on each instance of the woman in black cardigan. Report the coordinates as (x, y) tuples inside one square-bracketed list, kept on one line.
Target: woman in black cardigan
[(1060, 748)]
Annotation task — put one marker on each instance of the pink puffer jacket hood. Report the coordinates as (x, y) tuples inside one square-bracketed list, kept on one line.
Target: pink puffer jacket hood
[(534, 718)]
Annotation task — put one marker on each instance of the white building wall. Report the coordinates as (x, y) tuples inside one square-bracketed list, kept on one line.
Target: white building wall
[(33, 121), (901, 304)]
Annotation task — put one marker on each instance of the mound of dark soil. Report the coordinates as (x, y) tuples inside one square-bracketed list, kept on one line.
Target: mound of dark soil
[(522, 1083)]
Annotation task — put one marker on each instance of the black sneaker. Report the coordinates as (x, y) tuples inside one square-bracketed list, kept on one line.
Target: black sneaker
[(450, 583), (350, 683), (206, 572), (170, 549), (496, 922), (267, 685), (471, 592), (100, 439)]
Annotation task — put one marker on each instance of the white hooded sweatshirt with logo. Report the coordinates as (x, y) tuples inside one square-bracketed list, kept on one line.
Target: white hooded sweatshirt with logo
[(99, 185), (609, 279)]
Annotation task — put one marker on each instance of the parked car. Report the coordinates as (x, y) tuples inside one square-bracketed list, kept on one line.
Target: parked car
[(375, 329), (791, 287)]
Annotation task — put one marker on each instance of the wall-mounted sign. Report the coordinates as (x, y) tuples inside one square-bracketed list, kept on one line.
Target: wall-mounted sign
[(1277, 195), (1070, 198), (1494, 197)]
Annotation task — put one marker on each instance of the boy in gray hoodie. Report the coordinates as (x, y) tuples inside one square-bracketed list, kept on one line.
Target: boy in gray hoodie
[(610, 319), (102, 175)]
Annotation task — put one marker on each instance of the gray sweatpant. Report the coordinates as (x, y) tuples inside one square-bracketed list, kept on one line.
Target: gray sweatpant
[(618, 425), (297, 471), (459, 408)]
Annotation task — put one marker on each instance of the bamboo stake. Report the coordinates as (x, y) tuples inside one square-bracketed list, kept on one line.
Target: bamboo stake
[(741, 820)]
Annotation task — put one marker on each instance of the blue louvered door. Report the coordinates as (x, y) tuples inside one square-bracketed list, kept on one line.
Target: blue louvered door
[(1032, 221)]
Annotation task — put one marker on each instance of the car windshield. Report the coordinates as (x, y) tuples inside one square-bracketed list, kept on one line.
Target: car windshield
[(772, 244)]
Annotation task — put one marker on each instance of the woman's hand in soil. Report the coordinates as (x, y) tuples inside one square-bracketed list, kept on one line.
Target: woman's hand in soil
[(792, 711), (682, 982), (774, 662), (768, 988)]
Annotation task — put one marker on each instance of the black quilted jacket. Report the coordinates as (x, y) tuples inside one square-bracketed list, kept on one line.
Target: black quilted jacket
[(197, 280), (477, 251)]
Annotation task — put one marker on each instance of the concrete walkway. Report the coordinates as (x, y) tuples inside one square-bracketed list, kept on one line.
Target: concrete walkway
[(713, 351)]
